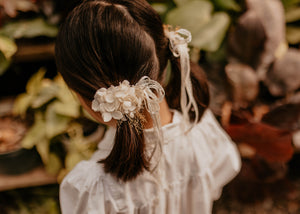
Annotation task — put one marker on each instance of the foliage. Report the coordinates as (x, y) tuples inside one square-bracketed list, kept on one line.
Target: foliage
[(13, 26), (292, 18), (55, 111), (208, 28), (7, 49), (12, 7), (34, 200), (207, 20), (255, 90), (28, 29)]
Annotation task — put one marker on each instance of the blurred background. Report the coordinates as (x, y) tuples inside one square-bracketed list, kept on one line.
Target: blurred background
[(249, 50)]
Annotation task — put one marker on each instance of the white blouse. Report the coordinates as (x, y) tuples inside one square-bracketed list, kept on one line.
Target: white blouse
[(190, 175)]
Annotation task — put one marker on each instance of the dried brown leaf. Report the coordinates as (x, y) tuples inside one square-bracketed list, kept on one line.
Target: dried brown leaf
[(226, 113), (296, 140), (259, 111), (218, 87), (272, 144), (271, 14), (244, 84), (284, 76), (246, 40), (286, 117)]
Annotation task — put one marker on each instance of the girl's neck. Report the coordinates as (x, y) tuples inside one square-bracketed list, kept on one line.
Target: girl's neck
[(166, 115)]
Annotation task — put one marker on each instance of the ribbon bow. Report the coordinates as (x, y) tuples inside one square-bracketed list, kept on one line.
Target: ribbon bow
[(151, 92), (179, 40)]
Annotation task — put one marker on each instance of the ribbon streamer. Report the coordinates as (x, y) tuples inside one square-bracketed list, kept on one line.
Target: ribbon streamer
[(179, 40)]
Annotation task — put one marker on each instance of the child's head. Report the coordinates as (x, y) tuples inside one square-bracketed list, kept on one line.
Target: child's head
[(105, 42), (102, 43)]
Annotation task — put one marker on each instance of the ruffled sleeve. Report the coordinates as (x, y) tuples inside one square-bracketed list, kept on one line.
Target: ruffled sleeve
[(226, 162), (82, 190)]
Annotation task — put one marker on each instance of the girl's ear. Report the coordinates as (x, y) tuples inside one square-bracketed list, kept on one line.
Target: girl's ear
[(96, 115)]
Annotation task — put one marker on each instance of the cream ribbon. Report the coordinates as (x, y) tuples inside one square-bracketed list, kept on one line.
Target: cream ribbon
[(179, 40), (153, 94)]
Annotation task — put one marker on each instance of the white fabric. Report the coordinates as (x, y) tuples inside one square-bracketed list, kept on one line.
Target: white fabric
[(192, 170)]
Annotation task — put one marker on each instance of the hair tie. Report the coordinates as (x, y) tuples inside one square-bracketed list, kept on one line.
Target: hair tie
[(179, 40)]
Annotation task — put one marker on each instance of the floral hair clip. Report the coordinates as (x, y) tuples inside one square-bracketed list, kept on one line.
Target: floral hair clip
[(122, 102)]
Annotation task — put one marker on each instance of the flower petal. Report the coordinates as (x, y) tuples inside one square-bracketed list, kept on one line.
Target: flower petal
[(109, 98), (101, 91), (109, 107), (131, 114), (120, 94), (126, 83), (106, 116), (102, 108), (95, 105), (127, 104), (132, 108), (117, 115)]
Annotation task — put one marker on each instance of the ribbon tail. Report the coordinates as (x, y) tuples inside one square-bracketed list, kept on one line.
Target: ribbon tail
[(187, 101), (157, 151)]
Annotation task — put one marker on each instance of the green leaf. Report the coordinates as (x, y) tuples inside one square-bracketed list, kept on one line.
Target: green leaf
[(55, 124), (292, 14), (36, 133), (211, 35), (22, 103), (7, 49), (29, 29), (191, 16), (86, 114), (7, 46), (65, 94), (43, 147), (71, 109), (35, 82), (54, 164), (46, 93), (160, 8), (289, 3), (4, 63), (181, 2), (227, 5), (72, 158), (68, 104), (293, 35)]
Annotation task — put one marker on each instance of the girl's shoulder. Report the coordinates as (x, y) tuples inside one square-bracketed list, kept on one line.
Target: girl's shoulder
[(207, 129), (84, 175)]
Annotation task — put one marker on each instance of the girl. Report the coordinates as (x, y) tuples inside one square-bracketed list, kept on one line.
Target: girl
[(163, 151)]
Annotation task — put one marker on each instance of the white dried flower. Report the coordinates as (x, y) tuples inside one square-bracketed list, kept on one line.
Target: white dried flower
[(117, 101)]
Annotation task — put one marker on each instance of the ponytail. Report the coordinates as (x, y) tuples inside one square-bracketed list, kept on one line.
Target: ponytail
[(125, 103), (127, 158), (199, 82)]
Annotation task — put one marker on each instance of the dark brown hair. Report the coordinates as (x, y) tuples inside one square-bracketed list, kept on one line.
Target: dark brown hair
[(104, 42)]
